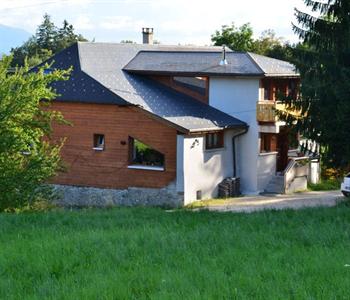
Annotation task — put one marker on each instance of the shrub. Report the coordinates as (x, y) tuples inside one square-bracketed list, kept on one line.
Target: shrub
[(28, 157)]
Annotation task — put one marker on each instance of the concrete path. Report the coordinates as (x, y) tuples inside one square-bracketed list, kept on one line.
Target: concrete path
[(263, 202)]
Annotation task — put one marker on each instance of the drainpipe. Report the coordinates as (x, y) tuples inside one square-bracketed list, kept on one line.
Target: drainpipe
[(234, 150)]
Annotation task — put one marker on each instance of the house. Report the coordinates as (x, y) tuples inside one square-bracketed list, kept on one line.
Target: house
[(156, 124)]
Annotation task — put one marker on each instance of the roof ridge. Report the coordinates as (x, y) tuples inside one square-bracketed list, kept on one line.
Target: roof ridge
[(255, 62)]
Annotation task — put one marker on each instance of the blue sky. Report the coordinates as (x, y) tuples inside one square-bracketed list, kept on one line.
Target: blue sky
[(175, 21)]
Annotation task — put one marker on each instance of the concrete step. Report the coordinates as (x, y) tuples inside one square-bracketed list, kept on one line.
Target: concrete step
[(276, 189), (277, 180), (276, 185)]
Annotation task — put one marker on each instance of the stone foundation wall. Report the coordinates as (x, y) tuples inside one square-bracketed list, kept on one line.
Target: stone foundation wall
[(74, 196)]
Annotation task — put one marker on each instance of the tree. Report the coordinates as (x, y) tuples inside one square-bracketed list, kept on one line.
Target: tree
[(270, 45), (47, 41), (323, 61), (241, 39), (238, 39), (28, 158), (46, 34), (66, 36)]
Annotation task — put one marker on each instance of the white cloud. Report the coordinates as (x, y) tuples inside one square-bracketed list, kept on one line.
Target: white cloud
[(83, 22), (180, 21), (121, 22)]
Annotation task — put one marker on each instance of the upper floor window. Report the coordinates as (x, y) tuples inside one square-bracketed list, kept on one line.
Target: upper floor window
[(99, 142), (214, 140), (266, 85)]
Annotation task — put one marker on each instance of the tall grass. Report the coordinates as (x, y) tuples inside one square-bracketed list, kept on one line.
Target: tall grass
[(141, 253)]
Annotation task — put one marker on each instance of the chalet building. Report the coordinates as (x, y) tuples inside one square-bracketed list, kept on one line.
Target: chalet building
[(156, 124)]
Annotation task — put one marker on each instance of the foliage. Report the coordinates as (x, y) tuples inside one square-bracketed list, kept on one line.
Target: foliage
[(48, 40), (236, 38), (241, 39), (325, 185), (270, 45), (323, 61), (145, 253), (27, 159)]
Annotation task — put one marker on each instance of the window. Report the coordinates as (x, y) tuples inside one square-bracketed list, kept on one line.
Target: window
[(142, 156), (214, 140), (292, 89), (99, 142), (267, 90), (268, 142)]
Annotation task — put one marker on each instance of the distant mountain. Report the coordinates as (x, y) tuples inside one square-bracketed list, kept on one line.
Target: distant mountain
[(11, 37)]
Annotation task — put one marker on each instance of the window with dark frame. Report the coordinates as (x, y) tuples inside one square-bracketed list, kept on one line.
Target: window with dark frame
[(268, 142), (214, 140), (141, 154), (99, 142), (267, 90)]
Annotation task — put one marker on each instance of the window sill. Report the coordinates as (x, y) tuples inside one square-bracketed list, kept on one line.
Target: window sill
[(97, 149), (139, 167)]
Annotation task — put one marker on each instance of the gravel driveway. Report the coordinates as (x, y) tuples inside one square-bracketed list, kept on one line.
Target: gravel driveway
[(262, 202)]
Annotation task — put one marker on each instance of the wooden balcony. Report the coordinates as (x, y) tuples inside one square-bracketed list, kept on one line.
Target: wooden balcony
[(266, 111)]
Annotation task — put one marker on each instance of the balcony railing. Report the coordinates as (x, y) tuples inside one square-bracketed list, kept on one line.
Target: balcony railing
[(266, 111)]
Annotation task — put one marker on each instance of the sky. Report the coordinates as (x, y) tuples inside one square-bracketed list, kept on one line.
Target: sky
[(174, 21)]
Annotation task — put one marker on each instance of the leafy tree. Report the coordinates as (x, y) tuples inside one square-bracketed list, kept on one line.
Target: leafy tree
[(236, 38), (270, 45), (28, 158), (47, 41), (323, 61), (241, 39)]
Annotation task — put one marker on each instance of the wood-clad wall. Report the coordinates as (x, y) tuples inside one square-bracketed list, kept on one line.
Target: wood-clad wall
[(170, 82), (108, 168)]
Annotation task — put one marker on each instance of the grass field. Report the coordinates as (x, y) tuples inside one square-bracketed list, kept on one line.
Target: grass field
[(139, 253)]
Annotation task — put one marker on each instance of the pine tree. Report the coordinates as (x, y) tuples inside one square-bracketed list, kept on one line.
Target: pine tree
[(47, 41), (46, 34), (323, 62)]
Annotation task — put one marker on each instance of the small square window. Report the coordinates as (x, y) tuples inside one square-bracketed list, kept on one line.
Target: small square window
[(99, 142), (214, 140)]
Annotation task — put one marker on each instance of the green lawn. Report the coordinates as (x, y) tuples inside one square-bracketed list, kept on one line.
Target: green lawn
[(138, 253)]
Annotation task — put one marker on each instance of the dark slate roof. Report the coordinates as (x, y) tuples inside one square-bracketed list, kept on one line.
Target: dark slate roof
[(98, 77), (80, 87), (196, 63), (274, 67), (199, 63)]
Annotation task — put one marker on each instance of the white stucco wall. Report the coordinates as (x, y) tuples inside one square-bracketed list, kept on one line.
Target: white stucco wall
[(180, 164), (201, 169), (266, 169), (238, 97)]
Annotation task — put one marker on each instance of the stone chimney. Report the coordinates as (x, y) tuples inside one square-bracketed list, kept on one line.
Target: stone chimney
[(147, 35)]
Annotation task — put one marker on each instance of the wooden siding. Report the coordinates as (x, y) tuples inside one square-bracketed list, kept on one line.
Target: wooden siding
[(108, 168), (170, 82)]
